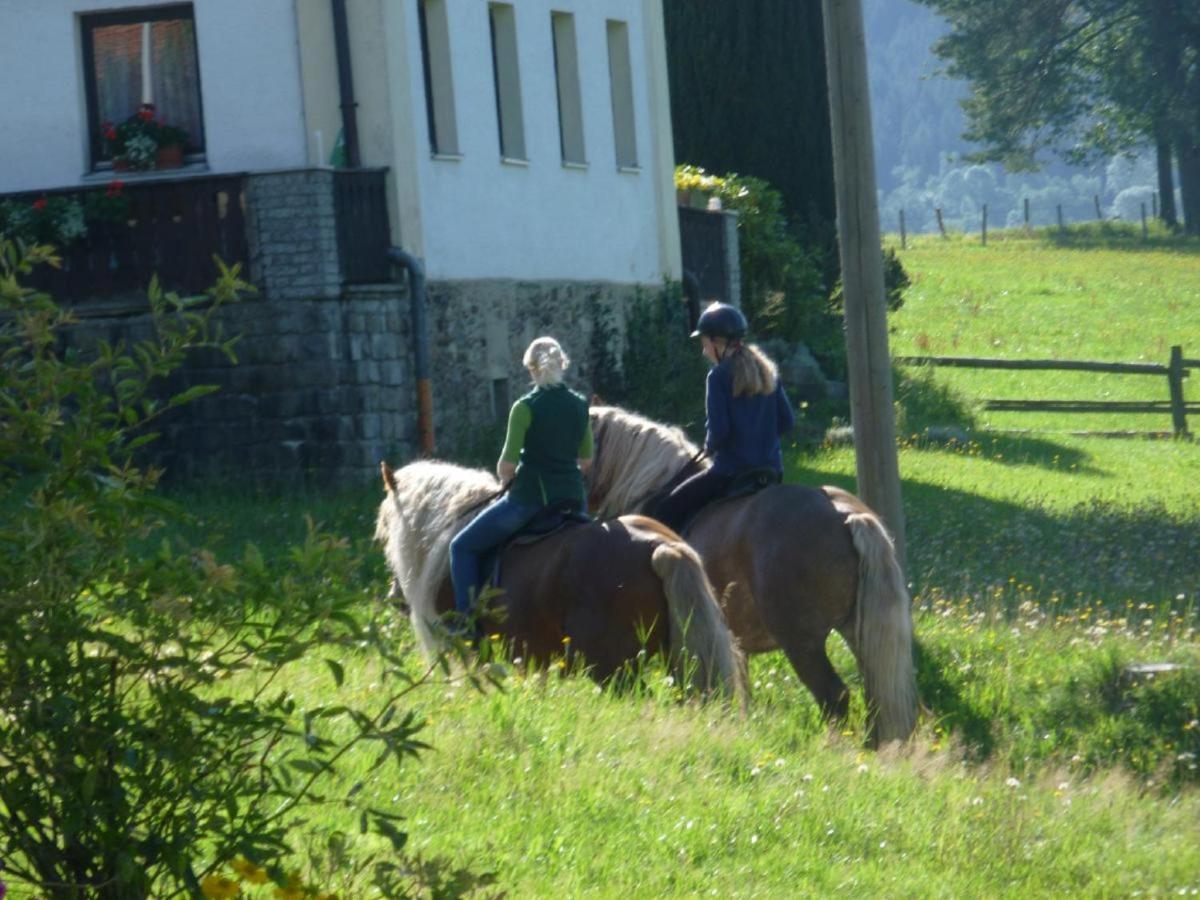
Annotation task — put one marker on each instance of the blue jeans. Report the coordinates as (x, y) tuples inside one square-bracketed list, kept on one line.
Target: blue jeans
[(489, 529)]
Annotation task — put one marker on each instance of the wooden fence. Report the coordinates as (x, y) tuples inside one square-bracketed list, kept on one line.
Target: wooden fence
[(1175, 371)]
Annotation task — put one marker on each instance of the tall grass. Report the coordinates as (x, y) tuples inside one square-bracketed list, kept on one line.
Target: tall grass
[(1042, 568)]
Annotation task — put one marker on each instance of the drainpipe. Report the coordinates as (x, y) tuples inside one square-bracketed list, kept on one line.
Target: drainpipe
[(341, 40), (420, 328)]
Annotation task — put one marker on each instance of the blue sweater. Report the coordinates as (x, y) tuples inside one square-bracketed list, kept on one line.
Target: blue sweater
[(743, 432)]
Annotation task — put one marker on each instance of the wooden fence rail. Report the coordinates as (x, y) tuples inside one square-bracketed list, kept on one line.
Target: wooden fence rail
[(1175, 372)]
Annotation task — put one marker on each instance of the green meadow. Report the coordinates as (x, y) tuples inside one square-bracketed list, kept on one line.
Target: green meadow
[(1043, 565)]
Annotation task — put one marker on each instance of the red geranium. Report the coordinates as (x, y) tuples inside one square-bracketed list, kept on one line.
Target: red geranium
[(146, 112), (114, 188), (39, 204)]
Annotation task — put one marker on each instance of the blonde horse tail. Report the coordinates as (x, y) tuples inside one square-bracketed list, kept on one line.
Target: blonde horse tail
[(698, 632), (881, 632)]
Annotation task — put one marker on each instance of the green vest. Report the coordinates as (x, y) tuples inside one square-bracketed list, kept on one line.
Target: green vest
[(548, 470)]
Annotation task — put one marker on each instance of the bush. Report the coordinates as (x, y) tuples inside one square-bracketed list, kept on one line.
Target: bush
[(783, 292), (149, 739)]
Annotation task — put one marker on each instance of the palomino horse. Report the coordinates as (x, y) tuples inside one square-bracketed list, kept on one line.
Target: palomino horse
[(608, 589), (792, 563)]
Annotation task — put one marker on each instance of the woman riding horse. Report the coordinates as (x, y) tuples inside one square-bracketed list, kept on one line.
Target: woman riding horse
[(747, 411), (546, 451)]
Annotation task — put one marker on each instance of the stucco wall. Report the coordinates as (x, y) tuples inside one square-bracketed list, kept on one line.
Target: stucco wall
[(249, 81), (484, 218)]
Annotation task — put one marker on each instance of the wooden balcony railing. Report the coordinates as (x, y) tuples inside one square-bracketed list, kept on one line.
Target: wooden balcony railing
[(173, 229)]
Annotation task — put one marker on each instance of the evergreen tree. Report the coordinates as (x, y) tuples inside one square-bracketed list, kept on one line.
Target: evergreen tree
[(748, 95)]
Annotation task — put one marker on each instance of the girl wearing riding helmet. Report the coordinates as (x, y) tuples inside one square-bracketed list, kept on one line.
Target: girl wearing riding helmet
[(747, 412), (546, 451)]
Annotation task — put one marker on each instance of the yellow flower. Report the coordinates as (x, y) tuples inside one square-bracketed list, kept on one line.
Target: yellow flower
[(218, 887), (249, 871), (292, 889)]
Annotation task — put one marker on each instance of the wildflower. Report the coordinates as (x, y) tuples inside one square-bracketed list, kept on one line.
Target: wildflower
[(218, 887), (1012, 782), (249, 871)]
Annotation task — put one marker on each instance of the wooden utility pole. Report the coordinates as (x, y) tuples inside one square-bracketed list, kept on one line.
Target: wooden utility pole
[(867, 354)]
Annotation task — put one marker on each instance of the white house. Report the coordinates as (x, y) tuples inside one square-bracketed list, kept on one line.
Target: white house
[(527, 144)]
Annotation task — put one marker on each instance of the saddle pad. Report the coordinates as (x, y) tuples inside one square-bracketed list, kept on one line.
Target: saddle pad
[(491, 562)]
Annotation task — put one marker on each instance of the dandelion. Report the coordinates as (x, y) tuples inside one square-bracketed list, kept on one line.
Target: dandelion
[(862, 768), (249, 871), (218, 887)]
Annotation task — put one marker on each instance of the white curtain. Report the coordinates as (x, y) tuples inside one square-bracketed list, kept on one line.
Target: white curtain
[(174, 73)]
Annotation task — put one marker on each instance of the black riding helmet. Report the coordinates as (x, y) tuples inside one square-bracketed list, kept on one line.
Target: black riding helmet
[(721, 320)]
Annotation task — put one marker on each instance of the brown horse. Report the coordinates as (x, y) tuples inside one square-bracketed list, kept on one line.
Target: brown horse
[(609, 590), (792, 563)]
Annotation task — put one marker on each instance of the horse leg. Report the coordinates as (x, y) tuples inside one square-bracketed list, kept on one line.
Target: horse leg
[(811, 663)]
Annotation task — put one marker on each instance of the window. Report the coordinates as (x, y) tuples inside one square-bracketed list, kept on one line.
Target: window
[(620, 76), (138, 56), (566, 79), (507, 77), (439, 83)]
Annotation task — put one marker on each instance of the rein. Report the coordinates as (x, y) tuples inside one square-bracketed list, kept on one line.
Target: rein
[(671, 482)]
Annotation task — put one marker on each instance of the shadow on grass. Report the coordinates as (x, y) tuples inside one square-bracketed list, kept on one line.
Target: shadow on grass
[(1119, 236), (965, 546), (1014, 450), (943, 698)]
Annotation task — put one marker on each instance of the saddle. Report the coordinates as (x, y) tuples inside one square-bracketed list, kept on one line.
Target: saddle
[(743, 484), (549, 520)]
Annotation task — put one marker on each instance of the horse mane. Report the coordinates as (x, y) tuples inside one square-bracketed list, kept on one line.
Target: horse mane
[(415, 526), (634, 457)]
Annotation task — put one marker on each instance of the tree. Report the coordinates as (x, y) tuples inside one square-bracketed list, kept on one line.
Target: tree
[(1080, 77), (748, 95)]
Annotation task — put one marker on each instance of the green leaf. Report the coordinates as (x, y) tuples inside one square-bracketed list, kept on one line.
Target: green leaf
[(339, 674)]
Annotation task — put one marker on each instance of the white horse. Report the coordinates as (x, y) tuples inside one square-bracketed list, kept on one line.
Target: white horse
[(604, 590)]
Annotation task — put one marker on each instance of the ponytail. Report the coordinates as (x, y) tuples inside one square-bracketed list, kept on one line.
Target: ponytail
[(753, 371)]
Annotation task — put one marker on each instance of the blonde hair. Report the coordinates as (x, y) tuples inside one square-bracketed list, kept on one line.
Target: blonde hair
[(753, 371), (546, 361)]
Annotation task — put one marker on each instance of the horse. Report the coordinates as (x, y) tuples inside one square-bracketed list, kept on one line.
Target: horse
[(791, 564), (604, 591)]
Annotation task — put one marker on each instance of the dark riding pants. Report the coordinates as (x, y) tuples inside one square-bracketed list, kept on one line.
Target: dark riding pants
[(686, 500)]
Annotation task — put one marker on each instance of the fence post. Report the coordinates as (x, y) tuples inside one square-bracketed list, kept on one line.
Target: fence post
[(1175, 380), (903, 233), (1026, 213), (941, 224), (1060, 221), (1096, 200), (1145, 233), (984, 225)]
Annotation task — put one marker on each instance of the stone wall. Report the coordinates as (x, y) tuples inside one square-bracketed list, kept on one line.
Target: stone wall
[(321, 389), (479, 331)]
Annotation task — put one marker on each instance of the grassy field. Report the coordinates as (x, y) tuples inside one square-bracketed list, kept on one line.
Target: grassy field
[(1042, 566), (1088, 294)]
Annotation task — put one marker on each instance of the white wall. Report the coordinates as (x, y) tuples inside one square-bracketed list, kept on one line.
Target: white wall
[(249, 79), (481, 218)]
